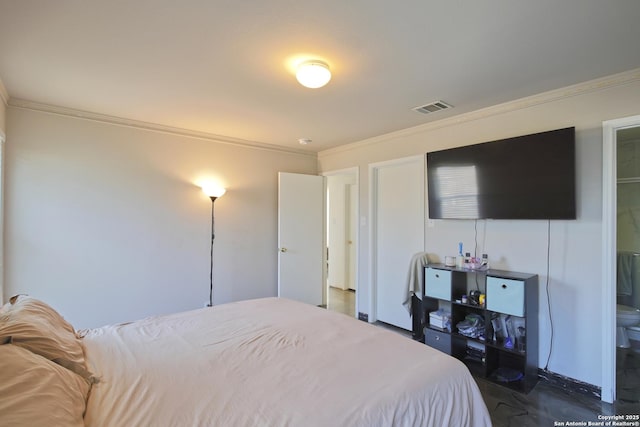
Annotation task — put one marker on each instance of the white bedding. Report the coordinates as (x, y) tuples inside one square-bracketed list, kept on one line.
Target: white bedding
[(273, 362)]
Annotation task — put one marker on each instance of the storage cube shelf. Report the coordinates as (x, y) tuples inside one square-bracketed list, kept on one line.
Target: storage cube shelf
[(507, 295), (440, 283), (503, 349)]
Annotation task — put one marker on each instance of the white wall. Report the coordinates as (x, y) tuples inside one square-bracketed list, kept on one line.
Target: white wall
[(3, 113), (574, 270), (3, 132), (628, 206), (628, 197), (4, 99), (105, 222)]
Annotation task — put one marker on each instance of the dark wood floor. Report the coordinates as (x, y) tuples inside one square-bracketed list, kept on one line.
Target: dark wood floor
[(548, 403)]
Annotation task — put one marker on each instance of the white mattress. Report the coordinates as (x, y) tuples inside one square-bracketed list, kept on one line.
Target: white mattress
[(273, 362)]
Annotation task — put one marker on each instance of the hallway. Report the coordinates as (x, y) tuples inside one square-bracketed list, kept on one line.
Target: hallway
[(342, 301)]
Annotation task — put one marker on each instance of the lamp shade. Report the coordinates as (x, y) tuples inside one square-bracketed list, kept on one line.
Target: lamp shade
[(313, 74), (213, 190)]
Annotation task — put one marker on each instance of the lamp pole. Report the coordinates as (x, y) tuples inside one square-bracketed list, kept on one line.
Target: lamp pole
[(213, 192), (213, 236)]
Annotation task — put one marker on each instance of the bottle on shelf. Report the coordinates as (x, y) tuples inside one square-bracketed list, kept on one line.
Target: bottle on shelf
[(460, 257)]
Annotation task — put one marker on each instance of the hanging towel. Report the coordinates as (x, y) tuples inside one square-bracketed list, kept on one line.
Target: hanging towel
[(635, 279), (415, 278), (625, 273)]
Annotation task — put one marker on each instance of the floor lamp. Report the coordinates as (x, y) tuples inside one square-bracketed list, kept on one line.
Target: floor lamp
[(213, 193)]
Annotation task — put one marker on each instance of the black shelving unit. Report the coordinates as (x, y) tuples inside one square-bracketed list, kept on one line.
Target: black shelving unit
[(511, 298)]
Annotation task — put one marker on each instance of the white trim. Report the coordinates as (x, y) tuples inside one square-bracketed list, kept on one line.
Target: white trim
[(119, 121), (609, 182), (2, 141), (519, 104), (4, 95), (355, 171), (373, 201), (346, 171)]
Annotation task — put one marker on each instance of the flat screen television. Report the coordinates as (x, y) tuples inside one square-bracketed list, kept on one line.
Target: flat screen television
[(526, 177)]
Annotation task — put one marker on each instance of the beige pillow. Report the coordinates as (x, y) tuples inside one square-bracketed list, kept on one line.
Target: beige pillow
[(37, 392), (35, 326)]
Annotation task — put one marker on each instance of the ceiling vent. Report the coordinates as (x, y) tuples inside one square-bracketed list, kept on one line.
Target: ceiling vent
[(432, 107)]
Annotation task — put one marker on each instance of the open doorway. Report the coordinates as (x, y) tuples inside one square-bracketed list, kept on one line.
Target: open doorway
[(342, 240), (620, 178), (628, 264)]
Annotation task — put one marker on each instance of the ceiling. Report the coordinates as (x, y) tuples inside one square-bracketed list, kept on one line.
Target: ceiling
[(225, 67)]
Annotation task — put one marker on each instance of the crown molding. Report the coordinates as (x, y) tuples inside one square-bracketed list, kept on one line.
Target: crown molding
[(522, 103), (625, 77), (4, 95), (119, 121)]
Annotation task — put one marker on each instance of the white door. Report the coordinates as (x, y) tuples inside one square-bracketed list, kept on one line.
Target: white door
[(300, 237), (398, 214), (351, 236)]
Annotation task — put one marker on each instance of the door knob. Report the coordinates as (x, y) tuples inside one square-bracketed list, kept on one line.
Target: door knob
[(283, 250)]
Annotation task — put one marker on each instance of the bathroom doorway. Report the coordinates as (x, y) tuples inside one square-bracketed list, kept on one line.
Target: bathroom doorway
[(620, 366), (628, 264), (342, 240)]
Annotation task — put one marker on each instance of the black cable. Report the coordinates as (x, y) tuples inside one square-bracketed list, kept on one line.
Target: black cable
[(548, 297), (475, 237), (475, 248)]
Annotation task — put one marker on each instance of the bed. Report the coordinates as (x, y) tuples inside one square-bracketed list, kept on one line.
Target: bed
[(263, 362)]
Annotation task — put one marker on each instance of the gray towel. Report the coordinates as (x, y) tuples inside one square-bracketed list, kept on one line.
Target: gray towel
[(626, 272), (415, 278)]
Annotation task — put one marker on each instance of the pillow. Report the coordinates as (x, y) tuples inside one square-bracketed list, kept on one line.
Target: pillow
[(37, 392), (35, 326)]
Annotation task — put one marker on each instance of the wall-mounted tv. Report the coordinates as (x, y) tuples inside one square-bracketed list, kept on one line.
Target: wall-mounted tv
[(526, 177)]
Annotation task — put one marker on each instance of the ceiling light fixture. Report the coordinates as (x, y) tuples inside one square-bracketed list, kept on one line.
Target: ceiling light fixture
[(313, 74)]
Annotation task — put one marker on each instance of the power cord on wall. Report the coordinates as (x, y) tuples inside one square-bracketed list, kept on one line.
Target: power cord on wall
[(546, 284), (475, 248), (547, 288), (475, 238)]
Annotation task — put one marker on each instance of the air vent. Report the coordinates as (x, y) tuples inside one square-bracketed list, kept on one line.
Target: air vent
[(432, 107)]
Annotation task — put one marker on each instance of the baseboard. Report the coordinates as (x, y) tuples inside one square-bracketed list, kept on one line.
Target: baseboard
[(570, 384)]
